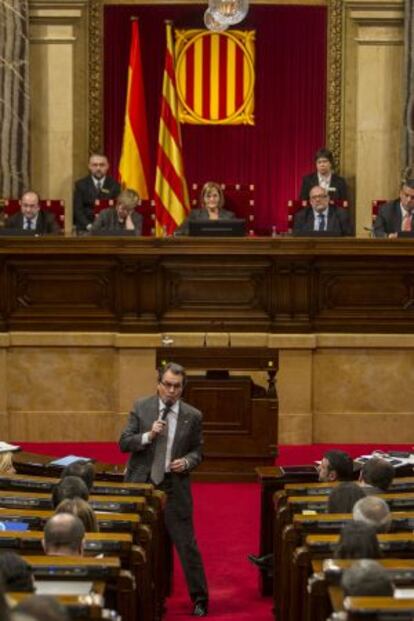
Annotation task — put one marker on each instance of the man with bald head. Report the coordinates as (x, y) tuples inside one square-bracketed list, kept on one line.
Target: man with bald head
[(63, 535), (31, 217)]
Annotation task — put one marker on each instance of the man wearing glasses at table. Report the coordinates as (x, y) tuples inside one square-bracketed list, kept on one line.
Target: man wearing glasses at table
[(164, 437), (321, 217)]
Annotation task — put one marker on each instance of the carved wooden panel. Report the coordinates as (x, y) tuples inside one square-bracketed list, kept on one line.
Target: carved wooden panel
[(204, 285)]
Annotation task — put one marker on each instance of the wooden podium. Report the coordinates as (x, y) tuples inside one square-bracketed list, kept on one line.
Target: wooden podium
[(240, 418)]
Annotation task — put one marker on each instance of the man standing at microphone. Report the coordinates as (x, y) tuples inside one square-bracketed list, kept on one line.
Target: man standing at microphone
[(164, 437)]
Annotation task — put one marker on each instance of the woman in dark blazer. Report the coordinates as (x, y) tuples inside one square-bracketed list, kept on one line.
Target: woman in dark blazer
[(324, 177), (211, 201)]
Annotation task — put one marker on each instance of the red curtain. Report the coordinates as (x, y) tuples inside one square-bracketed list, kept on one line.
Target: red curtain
[(290, 100)]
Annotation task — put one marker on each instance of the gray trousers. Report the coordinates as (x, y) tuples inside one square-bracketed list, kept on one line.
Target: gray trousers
[(181, 531)]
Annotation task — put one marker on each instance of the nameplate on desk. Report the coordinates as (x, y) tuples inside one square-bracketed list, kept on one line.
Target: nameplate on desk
[(102, 546), (6, 232), (114, 233), (117, 507), (317, 234), (92, 572), (25, 503), (7, 483), (120, 525)]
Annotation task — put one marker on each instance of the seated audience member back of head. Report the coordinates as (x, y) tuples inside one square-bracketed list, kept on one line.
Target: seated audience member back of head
[(343, 498), (357, 540), (15, 573), (83, 510), (42, 608), (69, 487), (63, 535), (82, 469), (373, 511), (378, 473), (367, 578)]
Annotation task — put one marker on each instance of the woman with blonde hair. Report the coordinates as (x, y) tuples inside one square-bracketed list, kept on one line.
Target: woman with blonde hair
[(6, 463), (211, 207)]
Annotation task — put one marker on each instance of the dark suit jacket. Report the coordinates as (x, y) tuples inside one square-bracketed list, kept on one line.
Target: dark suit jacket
[(389, 219), (84, 198), (338, 221), (337, 182), (188, 443), (46, 222), (108, 220), (200, 214)]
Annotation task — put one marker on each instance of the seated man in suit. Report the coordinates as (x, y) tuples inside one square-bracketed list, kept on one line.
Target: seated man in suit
[(324, 177), (122, 217), (396, 215), (97, 185), (32, 218), (321, 216)]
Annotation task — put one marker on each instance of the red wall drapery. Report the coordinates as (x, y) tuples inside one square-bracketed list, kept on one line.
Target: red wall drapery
[(290, 96)]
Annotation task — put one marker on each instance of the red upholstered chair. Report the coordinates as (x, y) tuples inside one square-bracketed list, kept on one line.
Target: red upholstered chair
[(294, 206), (56, 206), (145, 207), (375, 205), (239, 198)]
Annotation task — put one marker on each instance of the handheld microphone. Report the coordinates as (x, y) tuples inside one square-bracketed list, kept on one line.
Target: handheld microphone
[(168, 405)]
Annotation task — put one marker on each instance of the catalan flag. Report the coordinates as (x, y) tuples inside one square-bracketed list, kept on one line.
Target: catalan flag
[(134, 163), (171, 195)]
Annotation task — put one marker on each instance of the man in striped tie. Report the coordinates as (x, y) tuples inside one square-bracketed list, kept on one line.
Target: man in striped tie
[(164, 437)]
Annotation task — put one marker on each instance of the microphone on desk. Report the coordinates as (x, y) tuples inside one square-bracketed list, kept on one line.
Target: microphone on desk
[(370, 230)]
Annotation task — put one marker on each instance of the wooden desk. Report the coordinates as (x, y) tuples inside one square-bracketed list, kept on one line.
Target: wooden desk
[(243, 285)]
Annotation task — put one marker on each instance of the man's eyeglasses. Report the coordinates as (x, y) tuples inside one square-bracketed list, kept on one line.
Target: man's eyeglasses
[(171, 385)]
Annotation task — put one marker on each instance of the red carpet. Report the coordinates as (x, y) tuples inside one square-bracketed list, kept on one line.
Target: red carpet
[(227, 526)]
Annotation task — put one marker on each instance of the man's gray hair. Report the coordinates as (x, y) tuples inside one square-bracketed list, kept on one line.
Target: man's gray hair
[(373, 511)]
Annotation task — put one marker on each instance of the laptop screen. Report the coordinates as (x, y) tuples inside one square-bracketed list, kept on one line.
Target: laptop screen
[(217, 228)]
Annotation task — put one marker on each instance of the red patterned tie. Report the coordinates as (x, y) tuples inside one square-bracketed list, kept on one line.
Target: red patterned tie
[(407, 222)]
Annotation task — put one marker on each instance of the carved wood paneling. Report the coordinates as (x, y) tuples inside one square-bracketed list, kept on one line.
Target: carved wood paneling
[(282, 285)]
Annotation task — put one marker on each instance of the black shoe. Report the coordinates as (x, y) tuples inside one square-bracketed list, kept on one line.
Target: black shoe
[(263, 562), (200, 608)]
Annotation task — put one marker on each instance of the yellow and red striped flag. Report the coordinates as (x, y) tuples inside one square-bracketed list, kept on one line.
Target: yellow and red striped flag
[(134, 164), (171, 194)]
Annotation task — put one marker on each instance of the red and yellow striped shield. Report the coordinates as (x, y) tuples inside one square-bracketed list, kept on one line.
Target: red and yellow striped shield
[(215, 76)]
